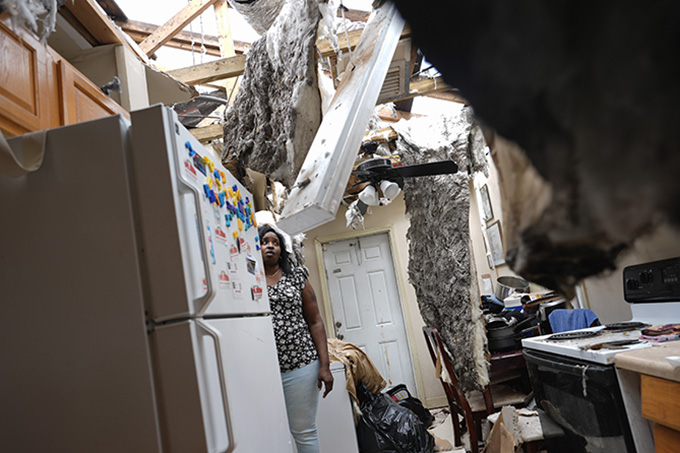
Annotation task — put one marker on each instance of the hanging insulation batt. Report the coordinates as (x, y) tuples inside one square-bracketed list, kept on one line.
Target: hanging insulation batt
[(277, 111), (441, 265)]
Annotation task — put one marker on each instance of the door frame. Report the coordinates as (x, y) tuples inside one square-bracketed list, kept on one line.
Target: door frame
[(319, 243)]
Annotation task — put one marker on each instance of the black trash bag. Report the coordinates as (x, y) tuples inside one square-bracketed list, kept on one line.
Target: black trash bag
[(403, 397), (371, 441), (397, 425)]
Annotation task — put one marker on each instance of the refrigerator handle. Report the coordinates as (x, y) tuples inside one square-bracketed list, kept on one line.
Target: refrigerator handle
[(223, 383), (203, 301)]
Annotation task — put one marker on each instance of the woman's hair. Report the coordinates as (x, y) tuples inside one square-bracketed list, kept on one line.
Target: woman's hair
[(284, 258)]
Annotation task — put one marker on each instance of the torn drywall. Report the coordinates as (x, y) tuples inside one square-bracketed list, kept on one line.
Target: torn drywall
[(277, 111), (441, 267)]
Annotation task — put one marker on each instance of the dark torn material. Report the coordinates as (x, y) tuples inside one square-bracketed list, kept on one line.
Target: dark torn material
[(441, 266), (590, 92), (277, 110)]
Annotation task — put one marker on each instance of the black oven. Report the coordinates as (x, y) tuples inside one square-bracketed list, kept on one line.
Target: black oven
[(584, 399)]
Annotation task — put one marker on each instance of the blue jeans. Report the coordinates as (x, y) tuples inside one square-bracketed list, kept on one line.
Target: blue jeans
[(302, 399)]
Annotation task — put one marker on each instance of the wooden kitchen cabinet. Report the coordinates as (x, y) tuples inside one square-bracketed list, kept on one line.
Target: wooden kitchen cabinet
[(661, 404), (40, 90)]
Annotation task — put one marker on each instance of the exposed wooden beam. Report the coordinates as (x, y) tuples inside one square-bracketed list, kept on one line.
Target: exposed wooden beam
[(355, 15), (436, 88), (234, 66), (226, 43), (392, 116), (180, 20), (90, 15), (139, 31), (326, 50), (207, 133), (211, 71)]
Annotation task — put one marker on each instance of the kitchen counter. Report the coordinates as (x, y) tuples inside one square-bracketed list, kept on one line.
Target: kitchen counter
[(652, 361), (659, 390)]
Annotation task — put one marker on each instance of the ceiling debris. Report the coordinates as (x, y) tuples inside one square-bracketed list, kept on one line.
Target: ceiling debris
[(277, 110), (441, 265), (39, 16), (260, 14), (590, 92)]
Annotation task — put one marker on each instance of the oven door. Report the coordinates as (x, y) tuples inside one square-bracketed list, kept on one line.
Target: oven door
[(584, 399)]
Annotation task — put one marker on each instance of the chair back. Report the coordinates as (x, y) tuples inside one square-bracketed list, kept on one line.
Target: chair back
[(458, 403)]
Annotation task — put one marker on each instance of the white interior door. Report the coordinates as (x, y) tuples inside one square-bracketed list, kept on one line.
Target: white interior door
[(366, 306)]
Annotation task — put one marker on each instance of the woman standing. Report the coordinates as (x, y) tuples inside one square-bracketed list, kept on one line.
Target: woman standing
[(300, 339)]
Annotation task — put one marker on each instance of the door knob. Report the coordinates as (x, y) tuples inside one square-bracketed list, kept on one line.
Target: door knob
[(338, 324), (340, 336)]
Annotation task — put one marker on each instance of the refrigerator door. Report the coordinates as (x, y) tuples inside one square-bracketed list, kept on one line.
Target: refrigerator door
[(220, 387), (201, 247), (75, 368)]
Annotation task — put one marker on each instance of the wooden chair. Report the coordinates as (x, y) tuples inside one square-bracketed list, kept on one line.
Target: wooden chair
[(473, 407)]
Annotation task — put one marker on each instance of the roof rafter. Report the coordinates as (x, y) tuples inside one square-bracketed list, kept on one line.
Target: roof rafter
[(165, 32)]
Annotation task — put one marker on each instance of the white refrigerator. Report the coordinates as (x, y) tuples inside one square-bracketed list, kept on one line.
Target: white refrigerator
[(134, 307)]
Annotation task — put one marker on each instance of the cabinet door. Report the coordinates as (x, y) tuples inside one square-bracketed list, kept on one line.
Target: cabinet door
[(24, 104), (81, 100)]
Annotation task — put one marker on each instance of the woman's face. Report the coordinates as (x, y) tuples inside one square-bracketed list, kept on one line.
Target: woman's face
[(271, 249)]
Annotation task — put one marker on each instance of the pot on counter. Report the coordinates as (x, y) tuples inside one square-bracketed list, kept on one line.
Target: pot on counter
[(507, 285), (500, 332)]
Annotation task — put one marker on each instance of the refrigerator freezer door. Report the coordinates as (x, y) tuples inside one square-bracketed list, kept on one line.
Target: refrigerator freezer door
[(75, 368), (194, 389), (200, 241)]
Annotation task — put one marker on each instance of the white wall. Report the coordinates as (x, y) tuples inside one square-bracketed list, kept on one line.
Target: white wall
[(605, 292)]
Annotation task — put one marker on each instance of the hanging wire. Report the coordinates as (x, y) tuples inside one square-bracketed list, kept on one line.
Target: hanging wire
[(344, 24), (203, 49), (191, 32)]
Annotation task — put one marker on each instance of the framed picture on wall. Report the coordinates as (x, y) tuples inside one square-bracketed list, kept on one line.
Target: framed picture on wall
[(493, 233), (486, 203)]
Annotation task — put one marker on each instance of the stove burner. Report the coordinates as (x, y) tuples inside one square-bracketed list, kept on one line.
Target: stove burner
[(624, 326), (576, 335)]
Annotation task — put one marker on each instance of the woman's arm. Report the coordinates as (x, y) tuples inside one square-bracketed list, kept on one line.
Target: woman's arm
[(310, 310)]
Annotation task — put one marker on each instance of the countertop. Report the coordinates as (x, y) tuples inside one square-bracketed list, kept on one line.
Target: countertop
[(652, 361)]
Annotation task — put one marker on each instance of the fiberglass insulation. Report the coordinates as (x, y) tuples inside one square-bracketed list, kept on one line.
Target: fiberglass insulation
[(441, 266), (277, 111)]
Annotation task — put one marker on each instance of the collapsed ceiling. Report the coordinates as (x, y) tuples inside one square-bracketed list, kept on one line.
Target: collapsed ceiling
[(441, 266), (590, 92), (277, 110)]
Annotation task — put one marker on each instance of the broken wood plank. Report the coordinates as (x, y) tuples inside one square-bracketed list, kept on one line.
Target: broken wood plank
[(226, 43), (234, 66), (207, 133), (91, 16), (139, 31), (180, 20), (211, 71)]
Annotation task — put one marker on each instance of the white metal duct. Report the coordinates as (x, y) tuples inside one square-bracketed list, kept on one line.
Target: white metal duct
[(318, 189)]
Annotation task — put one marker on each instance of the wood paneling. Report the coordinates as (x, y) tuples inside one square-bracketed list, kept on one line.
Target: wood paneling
[(81, 99), (23, 82), (40, 90), (660, 401), (666, 440)]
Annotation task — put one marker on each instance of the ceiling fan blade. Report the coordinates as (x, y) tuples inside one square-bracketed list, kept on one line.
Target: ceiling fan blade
[(428, 169)]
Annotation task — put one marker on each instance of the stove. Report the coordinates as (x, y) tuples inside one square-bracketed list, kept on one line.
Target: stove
[(570, 371), (652, 289)]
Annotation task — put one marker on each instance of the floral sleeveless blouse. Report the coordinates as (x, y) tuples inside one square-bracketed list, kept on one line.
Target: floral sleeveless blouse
[(294, 343)]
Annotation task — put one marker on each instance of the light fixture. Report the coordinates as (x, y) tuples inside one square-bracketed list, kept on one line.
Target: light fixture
[(369, 196), (390, 189)]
